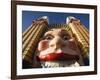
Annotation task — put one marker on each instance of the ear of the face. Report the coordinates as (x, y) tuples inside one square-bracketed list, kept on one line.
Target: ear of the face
[(43, 44)]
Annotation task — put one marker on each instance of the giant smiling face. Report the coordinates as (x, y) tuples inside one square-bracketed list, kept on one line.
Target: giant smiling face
[(57, 44)]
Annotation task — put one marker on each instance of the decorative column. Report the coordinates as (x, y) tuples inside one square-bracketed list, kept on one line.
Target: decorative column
[(81, 34), (30, 39)]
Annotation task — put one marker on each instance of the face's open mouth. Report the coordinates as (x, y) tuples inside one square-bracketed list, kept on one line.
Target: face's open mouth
[(57, 56)]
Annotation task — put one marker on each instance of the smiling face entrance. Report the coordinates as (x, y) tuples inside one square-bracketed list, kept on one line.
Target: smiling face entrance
[(57, 44)]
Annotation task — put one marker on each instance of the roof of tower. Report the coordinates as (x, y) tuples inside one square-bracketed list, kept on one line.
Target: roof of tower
[(44, 18), (70, 18)]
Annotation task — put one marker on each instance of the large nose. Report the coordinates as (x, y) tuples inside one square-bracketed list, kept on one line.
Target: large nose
[(56, 43)]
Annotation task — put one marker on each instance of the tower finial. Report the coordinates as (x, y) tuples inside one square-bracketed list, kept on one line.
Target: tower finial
[(44, 18), (70, 18)]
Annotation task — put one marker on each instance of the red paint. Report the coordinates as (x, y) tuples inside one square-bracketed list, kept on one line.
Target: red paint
[(57, 56)]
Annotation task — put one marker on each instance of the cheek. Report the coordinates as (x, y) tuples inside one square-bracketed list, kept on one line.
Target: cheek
[(72, 45), (43, 45)]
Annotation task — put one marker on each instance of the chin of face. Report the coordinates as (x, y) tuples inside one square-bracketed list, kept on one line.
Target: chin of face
[(53, 64)]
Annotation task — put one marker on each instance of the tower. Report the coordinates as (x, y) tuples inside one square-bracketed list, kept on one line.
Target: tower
[(30, 38), (81, 34)]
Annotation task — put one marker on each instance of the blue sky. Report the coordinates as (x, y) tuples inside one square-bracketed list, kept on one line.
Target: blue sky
[(54, 18)]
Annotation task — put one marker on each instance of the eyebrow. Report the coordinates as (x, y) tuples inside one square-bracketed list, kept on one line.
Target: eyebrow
[(48, 34), (63, 30), (63, 33), (54, 29)]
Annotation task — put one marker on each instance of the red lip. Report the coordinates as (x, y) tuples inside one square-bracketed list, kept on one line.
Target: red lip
[(57, 56)]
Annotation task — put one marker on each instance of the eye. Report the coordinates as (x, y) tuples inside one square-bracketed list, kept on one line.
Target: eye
[(65, 37), (49, 37)]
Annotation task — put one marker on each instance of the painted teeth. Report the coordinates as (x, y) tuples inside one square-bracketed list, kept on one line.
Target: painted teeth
[(53, 64)]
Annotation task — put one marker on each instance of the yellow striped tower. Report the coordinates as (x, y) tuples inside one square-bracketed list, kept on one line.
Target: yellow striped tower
[(30, 38), (81, 34)]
